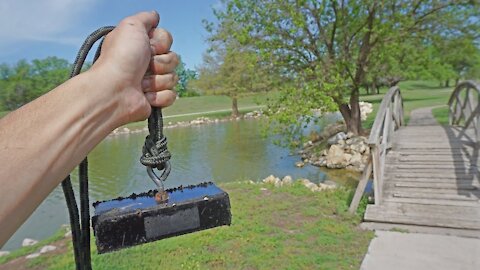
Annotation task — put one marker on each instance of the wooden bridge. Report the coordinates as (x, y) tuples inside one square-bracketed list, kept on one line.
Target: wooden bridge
[(425, 176)]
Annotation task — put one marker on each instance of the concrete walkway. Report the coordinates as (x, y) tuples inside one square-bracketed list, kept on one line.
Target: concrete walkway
[(412, 251)]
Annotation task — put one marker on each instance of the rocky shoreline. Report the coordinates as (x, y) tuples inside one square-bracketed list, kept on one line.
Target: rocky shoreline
[(195, 122), (341, 151), (344, 151)]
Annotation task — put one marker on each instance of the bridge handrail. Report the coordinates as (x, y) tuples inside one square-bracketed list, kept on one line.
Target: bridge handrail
[(467, 109), (388, 119)]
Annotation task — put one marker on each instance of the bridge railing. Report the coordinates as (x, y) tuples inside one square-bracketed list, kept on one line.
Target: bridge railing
[(388, 119), (464, 106)]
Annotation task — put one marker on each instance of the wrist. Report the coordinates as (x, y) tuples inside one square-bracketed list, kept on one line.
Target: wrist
[(119, 93)]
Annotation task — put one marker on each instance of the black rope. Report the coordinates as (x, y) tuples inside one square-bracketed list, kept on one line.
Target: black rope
[(81, 232), (155, 155), (155, 152)]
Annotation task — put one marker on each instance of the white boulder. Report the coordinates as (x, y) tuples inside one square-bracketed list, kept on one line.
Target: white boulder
[(4, 253), (47, 248), (33, 255), (29, 242), (287, 181)]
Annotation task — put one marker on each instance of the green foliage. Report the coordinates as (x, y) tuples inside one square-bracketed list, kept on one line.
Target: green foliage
[(24, 81), (231, 68), (336, 48), (185, 75), (272, 228)]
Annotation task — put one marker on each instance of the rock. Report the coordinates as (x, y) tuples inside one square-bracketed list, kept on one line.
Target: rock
[(125, 130), (4, 253), (307, 144), (299, 164), (47, 248), (339, 136), (29, 242), (68, 234), (365, 109), (287, 181), (356, 160), (263, 189), (269, 179), (323, 186), (33, 255), (341, 142), (347, 157), (312, 186), (251, 182), (336, 157), (304, 181), (277, 183), (350, 135), (308, 184), (330, 183)]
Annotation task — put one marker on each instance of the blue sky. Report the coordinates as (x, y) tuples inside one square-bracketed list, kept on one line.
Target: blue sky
[(32, 29)]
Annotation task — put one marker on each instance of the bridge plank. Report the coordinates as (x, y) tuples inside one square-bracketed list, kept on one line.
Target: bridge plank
[(431, 177)]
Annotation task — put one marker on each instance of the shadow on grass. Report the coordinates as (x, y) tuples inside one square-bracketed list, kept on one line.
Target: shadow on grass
[(416, 99), (423, 86)]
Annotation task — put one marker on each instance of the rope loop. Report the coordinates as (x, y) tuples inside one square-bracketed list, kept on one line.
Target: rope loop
[(155, 151)]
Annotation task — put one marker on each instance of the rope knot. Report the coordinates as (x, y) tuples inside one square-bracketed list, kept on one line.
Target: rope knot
[(155, 152)]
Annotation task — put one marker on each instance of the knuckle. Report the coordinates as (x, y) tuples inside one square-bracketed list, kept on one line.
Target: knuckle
[(129, 21), (175, 58), (166, 35)]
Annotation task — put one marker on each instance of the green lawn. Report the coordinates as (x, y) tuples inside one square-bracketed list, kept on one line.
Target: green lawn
[(415, 94), (274, 228), (209, 106)]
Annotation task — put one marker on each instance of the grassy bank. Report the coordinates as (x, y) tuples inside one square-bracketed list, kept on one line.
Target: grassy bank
[(272, 228), (189, 108), (415, 94)]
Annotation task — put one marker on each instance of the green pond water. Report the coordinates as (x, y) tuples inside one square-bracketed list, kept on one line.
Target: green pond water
[(222, 152)]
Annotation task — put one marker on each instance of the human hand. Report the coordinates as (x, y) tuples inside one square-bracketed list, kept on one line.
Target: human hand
[(136, 47)]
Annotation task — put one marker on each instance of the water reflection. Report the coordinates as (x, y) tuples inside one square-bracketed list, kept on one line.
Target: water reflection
[(219, 152)]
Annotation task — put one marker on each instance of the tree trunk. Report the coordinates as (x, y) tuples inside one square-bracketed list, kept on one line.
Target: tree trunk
[(351, 114), (367, 88), (457, 80), (447, 83), (355, 125), (235, 112)]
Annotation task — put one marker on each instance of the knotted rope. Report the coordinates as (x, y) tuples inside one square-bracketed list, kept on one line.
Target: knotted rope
[(155, 152), (155, 155)]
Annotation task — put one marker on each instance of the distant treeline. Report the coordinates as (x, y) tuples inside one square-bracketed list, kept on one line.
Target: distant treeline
[(24, 81)]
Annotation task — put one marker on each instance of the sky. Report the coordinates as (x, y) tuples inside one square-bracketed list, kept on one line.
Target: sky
[(35, 29)]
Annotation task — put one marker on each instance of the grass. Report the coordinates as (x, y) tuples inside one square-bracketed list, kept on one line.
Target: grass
[(209, 106), (441, 114), (272, 228), (31, 249), (415, 94)]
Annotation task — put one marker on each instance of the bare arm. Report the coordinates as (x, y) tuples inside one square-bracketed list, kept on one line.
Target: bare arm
[(44, 140)]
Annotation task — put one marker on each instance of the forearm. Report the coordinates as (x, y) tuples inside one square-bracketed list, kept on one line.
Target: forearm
[(44, 140)]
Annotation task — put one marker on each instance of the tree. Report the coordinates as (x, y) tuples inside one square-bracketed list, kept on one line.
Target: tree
[(327, 48), (26, 81), (185, 75), (233, 71)]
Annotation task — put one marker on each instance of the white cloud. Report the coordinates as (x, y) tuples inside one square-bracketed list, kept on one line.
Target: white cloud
[(40, 20)]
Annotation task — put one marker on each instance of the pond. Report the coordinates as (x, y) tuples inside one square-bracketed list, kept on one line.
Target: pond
[(222, 152)]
